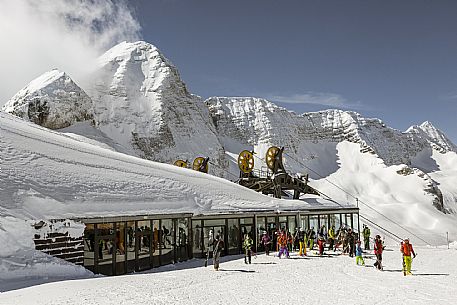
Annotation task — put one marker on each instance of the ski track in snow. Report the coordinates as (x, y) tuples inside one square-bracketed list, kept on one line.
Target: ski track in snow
[(268, 280)]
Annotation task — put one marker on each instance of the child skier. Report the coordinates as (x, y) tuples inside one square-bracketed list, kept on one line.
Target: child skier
[(358, 254), (406, 249)]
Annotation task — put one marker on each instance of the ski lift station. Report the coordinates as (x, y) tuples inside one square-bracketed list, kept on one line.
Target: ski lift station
[(115, 213)]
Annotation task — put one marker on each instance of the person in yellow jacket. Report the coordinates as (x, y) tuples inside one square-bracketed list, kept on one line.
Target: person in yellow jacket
[(331, 237), (407, 249)]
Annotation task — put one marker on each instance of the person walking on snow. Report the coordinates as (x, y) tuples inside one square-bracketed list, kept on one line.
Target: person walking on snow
[(311, 236), (320, 243), (366, 236), (331, 237), (282, 241), (218, 246), (378, 248), (302, 242), (351, 242), (247, 245), (407, 249), (266, 241), (358, 254)]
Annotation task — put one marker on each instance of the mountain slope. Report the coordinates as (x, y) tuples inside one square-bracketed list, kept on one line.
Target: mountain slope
[(141, 103), (393, 171)]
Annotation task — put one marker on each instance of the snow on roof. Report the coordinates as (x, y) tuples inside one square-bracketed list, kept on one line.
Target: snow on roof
[(47, 174)]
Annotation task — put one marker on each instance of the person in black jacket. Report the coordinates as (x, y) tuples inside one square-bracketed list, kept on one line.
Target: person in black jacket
[(218, 246), (351, 242), (311, 236)]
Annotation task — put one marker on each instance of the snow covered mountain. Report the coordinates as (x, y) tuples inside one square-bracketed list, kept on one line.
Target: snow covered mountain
[(141, 102), (52, 100), (141, 107), (362, 156)]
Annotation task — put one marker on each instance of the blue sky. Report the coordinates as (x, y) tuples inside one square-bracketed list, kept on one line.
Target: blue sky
[(395, 60)]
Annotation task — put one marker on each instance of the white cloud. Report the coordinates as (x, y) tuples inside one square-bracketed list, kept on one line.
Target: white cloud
[(315, 98), (39, 35)]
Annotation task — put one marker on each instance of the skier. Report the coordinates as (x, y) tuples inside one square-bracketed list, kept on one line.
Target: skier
[(358, 254), (218, 246), (266, 241), (406, 249), (320, 243), (351, 242), (247, 245), (366, 236), (301, 242), (311, 235), (378, 248), (331, 237), (282, 242)]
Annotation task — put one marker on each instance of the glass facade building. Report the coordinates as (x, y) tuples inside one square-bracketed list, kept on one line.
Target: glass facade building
[(120, 245)]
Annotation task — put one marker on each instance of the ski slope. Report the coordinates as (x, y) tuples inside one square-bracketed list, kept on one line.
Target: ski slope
[(268, 280)]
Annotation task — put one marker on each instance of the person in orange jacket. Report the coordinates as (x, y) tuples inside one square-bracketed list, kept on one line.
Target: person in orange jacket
[(407, 249), (282, 241)]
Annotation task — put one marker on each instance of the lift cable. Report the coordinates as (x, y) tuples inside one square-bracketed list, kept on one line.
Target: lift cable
[(220, 167), (393, 235), (360, 201)]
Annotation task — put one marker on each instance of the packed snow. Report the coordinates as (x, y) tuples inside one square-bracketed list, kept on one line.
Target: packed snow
[(331, 279)]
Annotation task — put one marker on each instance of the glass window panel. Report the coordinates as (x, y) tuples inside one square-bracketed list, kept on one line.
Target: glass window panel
[(271, 219), (246, 221), (261, 227), (105, 239), (323, 230), (167, 242), (144, 244), (233, 236), (155, 237), (304, 223), (355, 221), (313, 222), (282, 218), (182, 238), (347, 220), (291, 224), (119, 241), (197, 243), (130, 246), (214, 222), (89, 246)]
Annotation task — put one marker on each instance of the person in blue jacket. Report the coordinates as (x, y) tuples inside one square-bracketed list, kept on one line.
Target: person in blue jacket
[(358, 254)]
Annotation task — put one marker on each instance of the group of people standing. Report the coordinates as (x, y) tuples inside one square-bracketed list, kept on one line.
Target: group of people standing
[(301, 240)]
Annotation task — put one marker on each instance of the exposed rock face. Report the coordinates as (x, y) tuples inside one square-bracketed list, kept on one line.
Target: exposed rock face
[(254, 121), (142, 103), (52, 100), (435, 137)]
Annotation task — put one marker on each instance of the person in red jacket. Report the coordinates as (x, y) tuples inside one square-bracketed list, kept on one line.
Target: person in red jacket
[(407, 249), (378, 248)]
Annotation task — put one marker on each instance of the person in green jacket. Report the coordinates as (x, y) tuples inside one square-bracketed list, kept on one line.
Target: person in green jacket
[(247, 245), (366, 236)]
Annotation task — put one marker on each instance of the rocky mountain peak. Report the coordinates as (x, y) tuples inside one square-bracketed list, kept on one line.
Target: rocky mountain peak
[(435, 137), (52, 100)]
